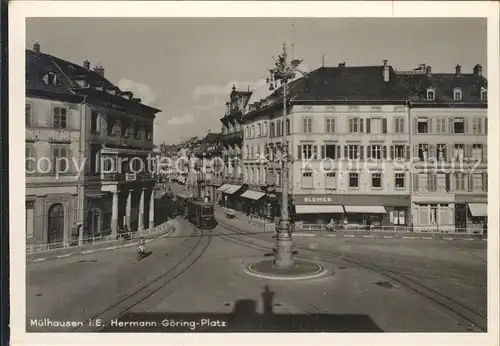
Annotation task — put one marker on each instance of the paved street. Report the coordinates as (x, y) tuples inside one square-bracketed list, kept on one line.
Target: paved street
[(189, 273)]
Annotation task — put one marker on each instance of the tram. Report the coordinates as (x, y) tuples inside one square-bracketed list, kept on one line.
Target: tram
[(201, 213), (181, 203)]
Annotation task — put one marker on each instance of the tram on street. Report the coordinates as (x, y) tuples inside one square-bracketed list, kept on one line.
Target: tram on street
[(181, 204), (201, 213)]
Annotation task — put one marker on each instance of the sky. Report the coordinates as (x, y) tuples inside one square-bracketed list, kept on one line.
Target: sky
[(187, 66)]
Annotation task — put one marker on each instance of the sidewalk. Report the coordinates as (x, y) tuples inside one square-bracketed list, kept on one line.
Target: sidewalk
[(98, 247), (243, 222)]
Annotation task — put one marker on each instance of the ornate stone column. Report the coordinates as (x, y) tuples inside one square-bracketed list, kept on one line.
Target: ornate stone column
[(128, 209)]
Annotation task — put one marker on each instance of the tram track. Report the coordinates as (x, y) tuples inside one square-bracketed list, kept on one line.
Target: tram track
[(470, 318), (152, 287)]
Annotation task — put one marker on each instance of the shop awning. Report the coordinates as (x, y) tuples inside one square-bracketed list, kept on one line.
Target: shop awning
[(478, 209), (232, 189), (223, 187), (255, 195), (367, 209), (184, 195), (319, 209)]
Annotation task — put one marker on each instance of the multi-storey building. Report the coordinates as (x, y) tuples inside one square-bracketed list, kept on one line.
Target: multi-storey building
[(209, 165), (103, 138), (231, 140), (449, 139)]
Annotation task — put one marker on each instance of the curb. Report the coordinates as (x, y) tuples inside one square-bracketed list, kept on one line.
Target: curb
[(385, 237), (86, 252)]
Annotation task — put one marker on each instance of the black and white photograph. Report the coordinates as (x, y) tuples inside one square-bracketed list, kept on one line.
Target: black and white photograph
[(271, 173)]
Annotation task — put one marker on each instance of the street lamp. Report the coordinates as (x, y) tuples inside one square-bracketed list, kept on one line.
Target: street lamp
[(282, 73)]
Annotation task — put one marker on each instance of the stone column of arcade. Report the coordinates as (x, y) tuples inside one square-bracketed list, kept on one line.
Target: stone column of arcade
[(152, 209), (141, 211), (114, 215), (128, 209)]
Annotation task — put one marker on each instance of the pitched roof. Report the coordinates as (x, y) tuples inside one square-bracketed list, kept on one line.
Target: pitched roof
[(38, 65)]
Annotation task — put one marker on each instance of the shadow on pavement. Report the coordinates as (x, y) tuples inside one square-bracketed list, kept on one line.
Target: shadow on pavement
[(243, 318)]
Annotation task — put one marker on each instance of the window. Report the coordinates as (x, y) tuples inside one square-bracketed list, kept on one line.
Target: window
[(265, 128), (354, 152), (484, 94), (27, 114), (375, 152), (442, 182), (288, 127), (60, 161), (477, 182), (422, 125), (431, 95), (353, 180), (399, 125), (305, 151), (458, 125), (355, 125), (423, 152), (307, 180), (30, 218), (440, 125), (477, 125), (459, 151), (59, 117), (399, 152), (399, 216), (374, 125), (457, 94), (272, 129), (331, 151), (330, 125), (477, 152), (30, 159), (399, 180), (95, 123), (441, 152), (330, 181), (433, 215), (50, 79), (259, 130), (376, 180), (307, 125), (252, 131), (279, 128), (459, 181)]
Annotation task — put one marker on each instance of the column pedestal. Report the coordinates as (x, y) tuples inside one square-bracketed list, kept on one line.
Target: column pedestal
[(128, 209), (152, 210), (141, 211), (114, 215)]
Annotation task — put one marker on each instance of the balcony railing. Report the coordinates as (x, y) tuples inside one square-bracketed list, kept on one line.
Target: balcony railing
[(237, 135), (127, 177), (48, 134), (125, 141)]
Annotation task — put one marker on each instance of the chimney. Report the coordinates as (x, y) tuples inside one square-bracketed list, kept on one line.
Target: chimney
[(478, 70), (86, 64), (386, 72), (428, 70), (99, 70), (458, 70), (36, 47)]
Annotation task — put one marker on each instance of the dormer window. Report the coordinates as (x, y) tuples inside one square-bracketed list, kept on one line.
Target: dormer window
[(50, 78), (431, 95), (457, 94), (484, 94)]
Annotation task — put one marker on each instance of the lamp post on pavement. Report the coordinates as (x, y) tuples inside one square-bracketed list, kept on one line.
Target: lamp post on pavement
[(282, 73)]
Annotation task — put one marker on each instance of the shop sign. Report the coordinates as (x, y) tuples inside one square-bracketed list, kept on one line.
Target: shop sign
[(313, 199)]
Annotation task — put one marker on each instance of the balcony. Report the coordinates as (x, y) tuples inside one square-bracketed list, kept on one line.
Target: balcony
[(127, 177), (48, 134), (123, 141), (233, 137)]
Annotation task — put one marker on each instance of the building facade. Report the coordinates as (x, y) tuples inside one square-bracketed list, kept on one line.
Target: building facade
[(231, 141), (102, 136), (450, 151)]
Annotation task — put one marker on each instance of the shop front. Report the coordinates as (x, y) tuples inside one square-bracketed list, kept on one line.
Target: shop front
[(254, 203), (471, 214), (317, 209), (232, 198)]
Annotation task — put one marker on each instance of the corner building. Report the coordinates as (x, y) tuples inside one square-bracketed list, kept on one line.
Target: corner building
[(74, 113), (450, 150)]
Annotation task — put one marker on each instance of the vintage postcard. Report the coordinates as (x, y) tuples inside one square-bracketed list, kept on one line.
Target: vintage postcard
[(297, 172)]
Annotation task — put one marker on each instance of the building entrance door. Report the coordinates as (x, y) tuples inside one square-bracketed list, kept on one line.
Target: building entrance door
[(56, 225), (460, 217)]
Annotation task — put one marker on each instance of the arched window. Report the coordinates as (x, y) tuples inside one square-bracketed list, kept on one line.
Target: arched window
[(56, 224), (288, 128), (484, 94), (457, 94)]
